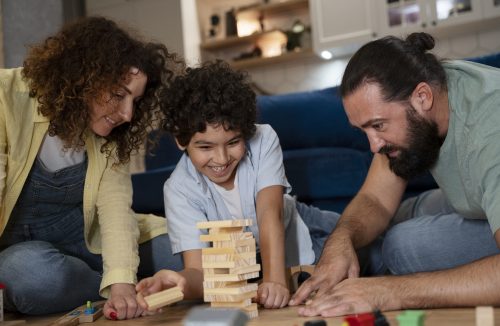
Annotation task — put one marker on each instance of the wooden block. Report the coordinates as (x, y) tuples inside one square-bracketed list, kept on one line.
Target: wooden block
[(229, 297), (293, 275), (230, 264), (164, 298), (230, 277), (210, 258), (226, 236), (234, 229), (237, 304), (485, 316), (228, 250), (223, 223), (252, 287), (234, 243), (252, 310), (213, 285), (232, 271), (90, 318)]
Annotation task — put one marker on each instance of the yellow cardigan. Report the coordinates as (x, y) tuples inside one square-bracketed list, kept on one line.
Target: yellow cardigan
[(111, 227)]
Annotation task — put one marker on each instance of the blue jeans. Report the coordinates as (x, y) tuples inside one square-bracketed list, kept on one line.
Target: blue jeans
[(41, 278), (320, 223), (428, 235), (44, 261)]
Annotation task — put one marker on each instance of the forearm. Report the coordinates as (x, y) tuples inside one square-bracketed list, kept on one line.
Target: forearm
[(362, 221), (474, 284), (272, 244), (194, 283)]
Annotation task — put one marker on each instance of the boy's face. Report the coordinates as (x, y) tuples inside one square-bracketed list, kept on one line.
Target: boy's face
[(216, 153)]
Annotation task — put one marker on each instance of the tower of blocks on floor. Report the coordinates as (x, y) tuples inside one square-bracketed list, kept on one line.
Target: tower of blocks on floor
[(228, 264)]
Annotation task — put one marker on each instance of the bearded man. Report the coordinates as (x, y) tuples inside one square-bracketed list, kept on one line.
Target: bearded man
[(442, 247)]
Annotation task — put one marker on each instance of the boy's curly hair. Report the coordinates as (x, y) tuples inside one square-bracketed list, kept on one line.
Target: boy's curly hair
[(211, 94), (87, 60)]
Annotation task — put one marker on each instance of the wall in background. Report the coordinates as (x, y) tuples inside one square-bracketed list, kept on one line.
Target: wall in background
[(26, 22), (316, 74), (1, 38)]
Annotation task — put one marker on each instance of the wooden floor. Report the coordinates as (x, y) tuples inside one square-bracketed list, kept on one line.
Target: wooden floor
[(288, 316)]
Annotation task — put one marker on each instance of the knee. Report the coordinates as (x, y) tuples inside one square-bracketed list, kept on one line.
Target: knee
[(29, 270), (402, 250)]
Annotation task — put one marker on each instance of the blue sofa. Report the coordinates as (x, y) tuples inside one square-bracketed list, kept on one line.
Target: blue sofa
[(326, 160)]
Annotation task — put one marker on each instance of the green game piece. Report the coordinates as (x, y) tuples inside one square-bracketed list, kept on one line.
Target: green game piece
[(411, 318)]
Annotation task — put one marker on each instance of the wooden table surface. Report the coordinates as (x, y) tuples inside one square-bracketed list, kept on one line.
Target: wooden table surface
[(174, 316)]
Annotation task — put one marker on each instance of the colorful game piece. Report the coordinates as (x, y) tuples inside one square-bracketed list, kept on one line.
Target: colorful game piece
[(411, 318), (360, 319), (78, 315), (89, 310), (380, 319), (1, 301)]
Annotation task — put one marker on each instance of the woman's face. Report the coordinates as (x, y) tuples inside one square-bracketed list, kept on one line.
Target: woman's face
[(117, 107)]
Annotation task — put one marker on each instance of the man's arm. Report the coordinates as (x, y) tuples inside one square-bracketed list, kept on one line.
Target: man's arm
[(363, 220), (469, 285)]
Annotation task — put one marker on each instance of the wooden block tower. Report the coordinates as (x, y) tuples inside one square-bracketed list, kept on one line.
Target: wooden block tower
[(228, 264)]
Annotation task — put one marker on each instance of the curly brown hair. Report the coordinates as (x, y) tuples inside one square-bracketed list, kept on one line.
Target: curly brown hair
[(85, 61), (211, 94)]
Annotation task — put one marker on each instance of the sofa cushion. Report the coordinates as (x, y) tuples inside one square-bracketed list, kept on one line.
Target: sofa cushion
[(310, 120)]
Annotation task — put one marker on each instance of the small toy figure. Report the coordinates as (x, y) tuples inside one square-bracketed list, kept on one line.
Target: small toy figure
[(411, 318)]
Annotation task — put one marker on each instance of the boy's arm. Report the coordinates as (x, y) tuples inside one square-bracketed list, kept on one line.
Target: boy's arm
[(193, 273), (269, 208)]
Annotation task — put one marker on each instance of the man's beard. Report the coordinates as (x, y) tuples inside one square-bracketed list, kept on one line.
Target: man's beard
[(423, 148)]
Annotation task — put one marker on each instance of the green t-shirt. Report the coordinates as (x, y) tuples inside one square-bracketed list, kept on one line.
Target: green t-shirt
[(468, 168)]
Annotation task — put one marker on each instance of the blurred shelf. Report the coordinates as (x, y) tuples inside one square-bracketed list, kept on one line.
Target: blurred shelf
[(288, 56), (233, 41), (275, 7)]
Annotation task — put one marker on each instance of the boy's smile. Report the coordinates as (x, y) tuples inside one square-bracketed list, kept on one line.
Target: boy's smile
[(216, 153)]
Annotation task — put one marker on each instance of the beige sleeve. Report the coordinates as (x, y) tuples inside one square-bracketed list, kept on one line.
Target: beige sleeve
[(119, 228)]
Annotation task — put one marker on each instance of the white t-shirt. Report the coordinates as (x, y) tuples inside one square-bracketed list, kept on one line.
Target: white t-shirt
[(55, 157)]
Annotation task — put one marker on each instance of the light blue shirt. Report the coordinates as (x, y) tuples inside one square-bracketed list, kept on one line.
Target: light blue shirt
[(190, 197)]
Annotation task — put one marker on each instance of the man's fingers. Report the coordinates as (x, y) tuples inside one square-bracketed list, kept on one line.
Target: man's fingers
[(304, 291)]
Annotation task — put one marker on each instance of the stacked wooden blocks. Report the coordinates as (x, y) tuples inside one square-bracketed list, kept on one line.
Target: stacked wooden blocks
[(228, 264)]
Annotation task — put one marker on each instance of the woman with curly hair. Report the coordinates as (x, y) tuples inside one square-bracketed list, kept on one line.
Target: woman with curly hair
[(232, 169), (70, 118)]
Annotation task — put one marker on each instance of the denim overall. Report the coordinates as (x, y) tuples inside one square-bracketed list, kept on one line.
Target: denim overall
[(43, 257), (45, 233)]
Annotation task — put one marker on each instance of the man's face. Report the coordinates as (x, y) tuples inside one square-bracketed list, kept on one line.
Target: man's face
[(395, 129)]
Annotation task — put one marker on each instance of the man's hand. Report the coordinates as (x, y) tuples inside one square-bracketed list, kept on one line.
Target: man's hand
[(272, 295), (353, 296), (122, 303), (338, 261)]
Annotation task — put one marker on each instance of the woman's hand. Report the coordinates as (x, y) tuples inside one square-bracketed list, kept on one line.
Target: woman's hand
[(122, 302), (162, 280)]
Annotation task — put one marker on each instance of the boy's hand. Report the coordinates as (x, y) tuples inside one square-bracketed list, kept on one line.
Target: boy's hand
[(162, 280), (273, 295), (122, 303)]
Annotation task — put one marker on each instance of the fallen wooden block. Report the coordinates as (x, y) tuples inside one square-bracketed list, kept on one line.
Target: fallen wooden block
[(485, 316), (164, 298)]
